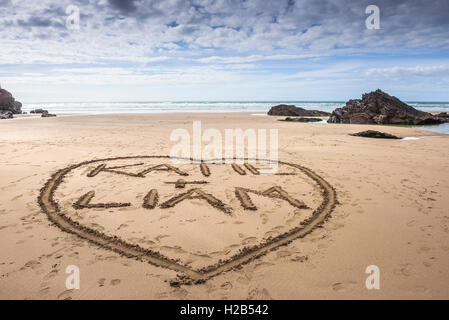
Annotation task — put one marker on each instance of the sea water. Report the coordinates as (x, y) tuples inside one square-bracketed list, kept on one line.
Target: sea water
[(257, 107)]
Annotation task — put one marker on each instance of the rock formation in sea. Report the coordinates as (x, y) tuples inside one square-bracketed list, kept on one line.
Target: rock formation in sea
[(378, 107), (38, 111), (374, 134), (443, 115), (44, 113), (8, 105), (293, 111), (6, 114)]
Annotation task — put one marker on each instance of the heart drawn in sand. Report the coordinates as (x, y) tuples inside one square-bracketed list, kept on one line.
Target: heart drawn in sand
[(197, 218)]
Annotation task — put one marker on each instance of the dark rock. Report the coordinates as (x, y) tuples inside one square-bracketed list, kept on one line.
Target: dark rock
[(6, 100), (17, 107), (443, 115), (377, 107), (45, 114), (8, 103), (6, 114), (291, 110), (39, 111), (302, 119), (374, 134)]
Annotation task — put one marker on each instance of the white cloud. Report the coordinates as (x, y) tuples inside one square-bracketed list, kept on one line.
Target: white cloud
[(218, 42), (399, 72), (149, 29)]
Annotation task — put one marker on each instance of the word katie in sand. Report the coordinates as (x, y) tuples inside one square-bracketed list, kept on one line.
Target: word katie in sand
[(199, 219)]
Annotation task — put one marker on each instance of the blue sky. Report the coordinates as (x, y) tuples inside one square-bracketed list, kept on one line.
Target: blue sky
[(176, 50)]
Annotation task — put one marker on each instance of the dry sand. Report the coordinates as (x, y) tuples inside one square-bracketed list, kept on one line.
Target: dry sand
[(392, 211)]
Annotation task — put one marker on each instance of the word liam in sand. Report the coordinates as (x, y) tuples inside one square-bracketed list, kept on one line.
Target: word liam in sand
[(150, 201), (84, 202), (275, 192)]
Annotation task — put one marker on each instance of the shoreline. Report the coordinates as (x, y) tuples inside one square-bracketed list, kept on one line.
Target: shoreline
[(200, 107), (426, 128)]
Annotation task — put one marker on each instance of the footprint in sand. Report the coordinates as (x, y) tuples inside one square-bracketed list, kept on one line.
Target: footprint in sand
[(162, 295), (283, 254), (123, 225), (101, 282), (226, 286), (74, 254), (33, 264), (262, 265), (115, 282), (249, 240), (411, 223), (111, 258), (343, 286), (244, 279), (180, 293), (161, 236), (403, 270), (53, 273), (424, 249), (338, 286), (428, 263), (44, 288), (299, 258), (259, 294), (420, 289), (178, 249), (271, 234), (65, 295), (16, 197)]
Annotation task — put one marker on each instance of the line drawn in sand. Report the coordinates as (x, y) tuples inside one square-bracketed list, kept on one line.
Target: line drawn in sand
[(189, 275)]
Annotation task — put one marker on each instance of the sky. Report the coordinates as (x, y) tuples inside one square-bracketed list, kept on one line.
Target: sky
[(223, 50)]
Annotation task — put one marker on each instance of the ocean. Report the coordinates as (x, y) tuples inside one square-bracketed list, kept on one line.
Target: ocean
[(198, 106), (210, 106)]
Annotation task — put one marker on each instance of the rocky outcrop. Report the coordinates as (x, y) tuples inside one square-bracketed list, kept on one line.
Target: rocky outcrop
[(6, 114), (6, 100), (39, 111), (293, 111), (374, 134), (377, 107), (45, 114), (17, 107), (443, 115), (8, 103)]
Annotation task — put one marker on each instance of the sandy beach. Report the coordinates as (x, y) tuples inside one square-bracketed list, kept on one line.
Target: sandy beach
[(391, 211)]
